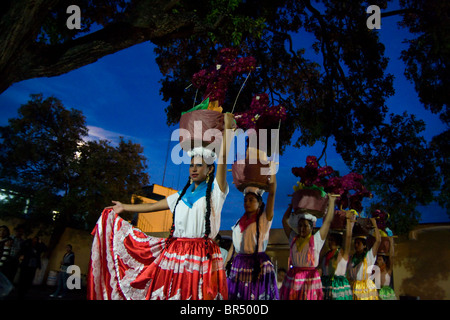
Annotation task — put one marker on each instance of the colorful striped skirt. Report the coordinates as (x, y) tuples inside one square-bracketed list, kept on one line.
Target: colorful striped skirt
[(387, 293), (336, 288), (240, 280), (364, 290), (127, 264), (302, 284)]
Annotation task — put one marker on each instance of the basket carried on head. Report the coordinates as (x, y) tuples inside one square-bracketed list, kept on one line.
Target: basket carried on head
[(201, 128), (339, 221), (249, 174), (362, 227), (311, 200), (384, 246)]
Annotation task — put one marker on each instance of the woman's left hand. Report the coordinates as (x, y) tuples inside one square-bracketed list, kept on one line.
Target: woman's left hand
[(229, 121)]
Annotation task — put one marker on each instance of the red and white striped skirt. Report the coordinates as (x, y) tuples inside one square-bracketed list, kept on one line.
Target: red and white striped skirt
[(127, 264)]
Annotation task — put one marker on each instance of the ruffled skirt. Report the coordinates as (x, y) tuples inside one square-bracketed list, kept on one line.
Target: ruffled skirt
[(240, 285), (302, 284), (127, 264), (336, 288), (364, 290), (387, 293)]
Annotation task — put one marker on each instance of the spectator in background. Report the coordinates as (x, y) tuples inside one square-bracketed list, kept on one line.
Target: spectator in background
[(281, 273), (18, 239), (30, 261), (67, 260), (5, 251)]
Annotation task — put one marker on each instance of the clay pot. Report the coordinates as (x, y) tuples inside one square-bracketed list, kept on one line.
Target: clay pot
[(384, 245), (339, 221), (249, 175), (362, 227), (311, 200), (204, 127)]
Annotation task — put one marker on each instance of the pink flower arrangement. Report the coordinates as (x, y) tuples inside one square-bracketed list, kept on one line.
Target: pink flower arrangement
[(349, 187), (260, 115), (381, 218), (217, 79)]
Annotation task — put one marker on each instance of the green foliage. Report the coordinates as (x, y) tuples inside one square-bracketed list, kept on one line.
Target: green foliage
[(399, 168), (339, 93), (44, 153), (317, 59), (427, 58)]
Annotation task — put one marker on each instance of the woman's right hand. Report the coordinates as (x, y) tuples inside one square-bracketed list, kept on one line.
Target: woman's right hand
[(118, 207)]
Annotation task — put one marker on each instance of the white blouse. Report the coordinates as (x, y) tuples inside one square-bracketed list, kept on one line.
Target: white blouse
[(341, 268), (300, 259), (358, 272), (190, 222), (245, 242)]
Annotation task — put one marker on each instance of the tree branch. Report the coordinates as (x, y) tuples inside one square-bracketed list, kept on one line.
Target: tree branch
[(23, 58)]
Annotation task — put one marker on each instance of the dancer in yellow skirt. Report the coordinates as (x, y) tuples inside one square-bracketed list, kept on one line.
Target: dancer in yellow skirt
[(361, 265)]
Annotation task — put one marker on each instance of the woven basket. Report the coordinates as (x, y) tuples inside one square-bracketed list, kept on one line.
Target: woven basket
[(339, 221), (203, 128), (310, 200), (250, 175)]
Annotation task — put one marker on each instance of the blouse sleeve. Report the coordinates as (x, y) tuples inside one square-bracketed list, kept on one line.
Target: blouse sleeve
[(370, 258), (172, 200), (218, 197)]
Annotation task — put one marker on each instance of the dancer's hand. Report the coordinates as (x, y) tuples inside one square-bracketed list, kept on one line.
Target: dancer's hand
[(333, 197), (118, 207), (350, 215), (229, 121)]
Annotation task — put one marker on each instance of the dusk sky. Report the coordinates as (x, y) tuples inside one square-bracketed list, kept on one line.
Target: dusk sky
[(119, 96)]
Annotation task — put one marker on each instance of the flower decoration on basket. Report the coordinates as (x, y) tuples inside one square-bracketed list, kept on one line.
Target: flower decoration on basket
[(326, 180), (208, 114), (351, 190), (382, 217), (217, 79), (310, 193), (260, 115)]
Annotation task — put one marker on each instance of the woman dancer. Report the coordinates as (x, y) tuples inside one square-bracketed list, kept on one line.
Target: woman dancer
[(385, 261), (128, 264), (360, 267), (252, 274), (302, 281), (334, 264)]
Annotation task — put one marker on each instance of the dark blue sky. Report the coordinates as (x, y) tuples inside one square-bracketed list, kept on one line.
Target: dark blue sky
[(119, 95)]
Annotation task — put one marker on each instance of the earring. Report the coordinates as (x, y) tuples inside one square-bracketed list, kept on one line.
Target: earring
[(190, 180), (207, 178)]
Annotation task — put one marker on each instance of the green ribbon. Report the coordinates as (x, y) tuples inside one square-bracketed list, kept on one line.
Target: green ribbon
[(202, 106), (323, 194)]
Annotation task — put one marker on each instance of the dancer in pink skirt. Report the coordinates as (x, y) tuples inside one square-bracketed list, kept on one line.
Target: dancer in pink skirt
[(303, 281)]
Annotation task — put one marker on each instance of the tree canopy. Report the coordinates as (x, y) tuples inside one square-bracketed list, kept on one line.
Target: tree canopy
[(341, 95), (44, 157)]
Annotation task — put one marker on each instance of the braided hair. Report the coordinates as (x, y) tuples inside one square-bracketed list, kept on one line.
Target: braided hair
[(208, 210), (256, 265), (207, 213)]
